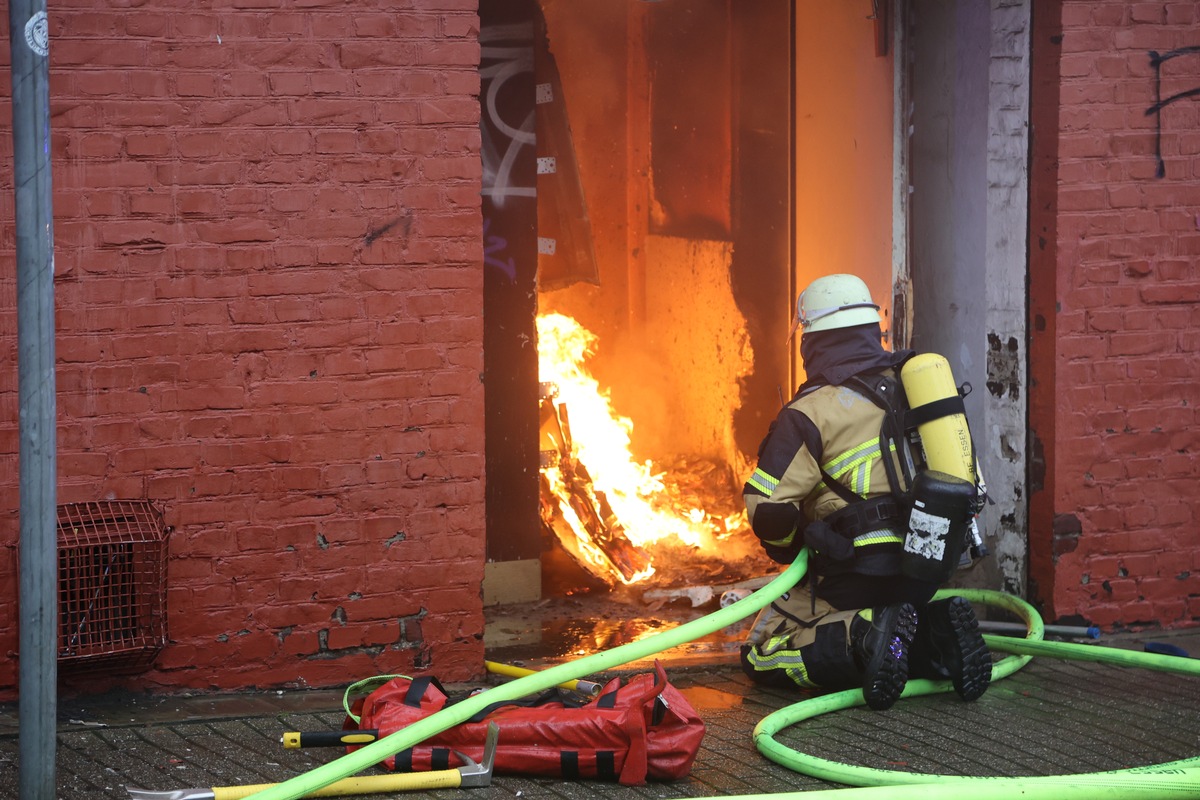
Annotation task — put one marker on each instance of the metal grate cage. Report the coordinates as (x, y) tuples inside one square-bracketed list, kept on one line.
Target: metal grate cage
[(111, 585)]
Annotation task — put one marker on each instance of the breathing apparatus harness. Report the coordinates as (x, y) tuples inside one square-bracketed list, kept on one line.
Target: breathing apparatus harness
[(934, 510)]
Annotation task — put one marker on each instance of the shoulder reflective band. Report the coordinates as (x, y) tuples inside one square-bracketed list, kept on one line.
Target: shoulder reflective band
[(763, 482)]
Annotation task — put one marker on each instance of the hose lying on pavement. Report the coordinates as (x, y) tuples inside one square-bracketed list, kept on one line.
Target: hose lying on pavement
[(1178, 779), (463, 710)]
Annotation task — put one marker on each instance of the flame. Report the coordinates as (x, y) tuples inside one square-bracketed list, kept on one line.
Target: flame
[(638, 495)]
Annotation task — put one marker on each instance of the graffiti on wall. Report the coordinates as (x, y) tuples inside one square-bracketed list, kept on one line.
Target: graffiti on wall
[(506, 63), (495, 252), (1156, 61)]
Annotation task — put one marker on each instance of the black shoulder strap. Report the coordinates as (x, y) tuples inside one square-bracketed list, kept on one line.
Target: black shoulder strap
[(880, 390), (887, 392), (837, 488)]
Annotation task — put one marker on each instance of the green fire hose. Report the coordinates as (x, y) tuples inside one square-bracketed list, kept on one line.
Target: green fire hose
[(1179, 779), (531, 684)]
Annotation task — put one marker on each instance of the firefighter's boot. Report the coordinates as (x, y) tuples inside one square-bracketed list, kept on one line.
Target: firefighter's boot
[(880, 640), (950, 646)]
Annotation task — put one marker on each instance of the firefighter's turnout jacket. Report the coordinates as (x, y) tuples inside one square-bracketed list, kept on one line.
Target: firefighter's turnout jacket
[(828, 432), (833, 430)]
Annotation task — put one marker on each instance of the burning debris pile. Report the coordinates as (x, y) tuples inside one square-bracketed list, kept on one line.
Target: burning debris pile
[(619, 519), (580, 515)]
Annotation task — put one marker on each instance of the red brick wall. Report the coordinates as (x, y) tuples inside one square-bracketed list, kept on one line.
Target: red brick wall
[(269, 292), (1115, 306)]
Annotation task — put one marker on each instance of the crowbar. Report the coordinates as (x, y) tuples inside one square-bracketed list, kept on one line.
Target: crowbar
[(469, 775)]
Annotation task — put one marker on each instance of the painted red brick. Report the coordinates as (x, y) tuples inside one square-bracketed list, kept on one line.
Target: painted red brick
[(1115, 439), (222, 349)]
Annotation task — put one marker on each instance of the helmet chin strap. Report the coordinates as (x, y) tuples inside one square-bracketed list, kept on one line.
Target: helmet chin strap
[(803, 320), (792, 332), (821, 313)]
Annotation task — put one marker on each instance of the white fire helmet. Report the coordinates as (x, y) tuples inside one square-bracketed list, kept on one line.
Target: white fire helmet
[(834, 301)]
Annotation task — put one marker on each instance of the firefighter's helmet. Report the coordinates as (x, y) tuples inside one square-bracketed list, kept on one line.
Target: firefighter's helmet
[(834, 301)]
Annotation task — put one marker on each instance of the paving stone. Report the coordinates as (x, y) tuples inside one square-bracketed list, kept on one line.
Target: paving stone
[(1052, 717)]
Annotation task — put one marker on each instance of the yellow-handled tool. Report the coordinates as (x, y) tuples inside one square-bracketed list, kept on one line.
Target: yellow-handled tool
[(589, 688), (295, 740), (470, 775)]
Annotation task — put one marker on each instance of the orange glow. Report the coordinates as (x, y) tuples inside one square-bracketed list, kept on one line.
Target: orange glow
[(641, 499)]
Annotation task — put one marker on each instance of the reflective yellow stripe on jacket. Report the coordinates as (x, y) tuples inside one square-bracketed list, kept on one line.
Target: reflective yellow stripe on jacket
[(858, 460), (763, 482), (767, 483)]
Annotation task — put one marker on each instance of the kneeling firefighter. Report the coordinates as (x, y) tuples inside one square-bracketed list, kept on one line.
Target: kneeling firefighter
[(841, 471)]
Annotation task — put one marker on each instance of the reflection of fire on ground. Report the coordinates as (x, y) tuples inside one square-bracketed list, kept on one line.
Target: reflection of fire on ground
[(623, 521)]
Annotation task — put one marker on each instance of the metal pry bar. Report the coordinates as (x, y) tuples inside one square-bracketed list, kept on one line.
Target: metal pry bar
[(481, 774), (470, 775)]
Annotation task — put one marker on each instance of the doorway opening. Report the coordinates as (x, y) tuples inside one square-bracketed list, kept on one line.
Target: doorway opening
[(660, 179)]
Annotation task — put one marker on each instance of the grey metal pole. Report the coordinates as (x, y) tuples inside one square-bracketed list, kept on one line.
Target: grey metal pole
[(29, 42)]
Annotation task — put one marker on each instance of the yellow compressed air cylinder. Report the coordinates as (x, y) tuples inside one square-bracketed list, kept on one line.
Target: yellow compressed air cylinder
[(947, 440)]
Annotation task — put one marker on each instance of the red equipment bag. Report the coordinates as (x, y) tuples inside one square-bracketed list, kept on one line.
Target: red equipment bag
[(644, 730)]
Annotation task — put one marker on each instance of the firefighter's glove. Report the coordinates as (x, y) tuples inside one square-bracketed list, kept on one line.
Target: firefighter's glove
[(775, 524), (825, 541)]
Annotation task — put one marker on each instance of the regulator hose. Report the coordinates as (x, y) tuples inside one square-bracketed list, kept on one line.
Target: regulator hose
[(1178, 779), (463, 710)]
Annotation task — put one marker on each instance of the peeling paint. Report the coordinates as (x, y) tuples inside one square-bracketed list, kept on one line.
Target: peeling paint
[(1007, 450), (1010, 552), (1067, 530), (1003, 366)]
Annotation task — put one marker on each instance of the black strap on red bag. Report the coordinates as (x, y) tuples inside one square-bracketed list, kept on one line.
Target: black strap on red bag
[(644, 729)]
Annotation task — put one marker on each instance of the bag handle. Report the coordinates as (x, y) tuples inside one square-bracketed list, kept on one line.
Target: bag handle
[(549, 697), (637, 760), (365, 687), (417, 688)]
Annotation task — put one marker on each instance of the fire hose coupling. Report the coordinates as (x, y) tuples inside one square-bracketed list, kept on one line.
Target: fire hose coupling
[(584, 687)]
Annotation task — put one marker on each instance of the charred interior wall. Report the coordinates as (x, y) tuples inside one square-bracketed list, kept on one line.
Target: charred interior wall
[(655, 114)]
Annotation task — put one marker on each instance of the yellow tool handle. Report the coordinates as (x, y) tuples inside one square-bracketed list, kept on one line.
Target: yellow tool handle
[(590, 688), (294, 740), (368, 784)]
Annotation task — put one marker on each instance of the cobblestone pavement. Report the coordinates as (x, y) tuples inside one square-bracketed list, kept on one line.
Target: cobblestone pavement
[(1052, 717)]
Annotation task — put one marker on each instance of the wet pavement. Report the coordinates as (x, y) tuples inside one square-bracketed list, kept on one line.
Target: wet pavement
[(1052, 717)]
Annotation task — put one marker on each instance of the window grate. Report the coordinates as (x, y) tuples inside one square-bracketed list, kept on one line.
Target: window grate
[(111, 585)]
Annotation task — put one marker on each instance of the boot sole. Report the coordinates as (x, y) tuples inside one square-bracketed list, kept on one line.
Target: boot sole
[(974, 674), (887, 671)]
